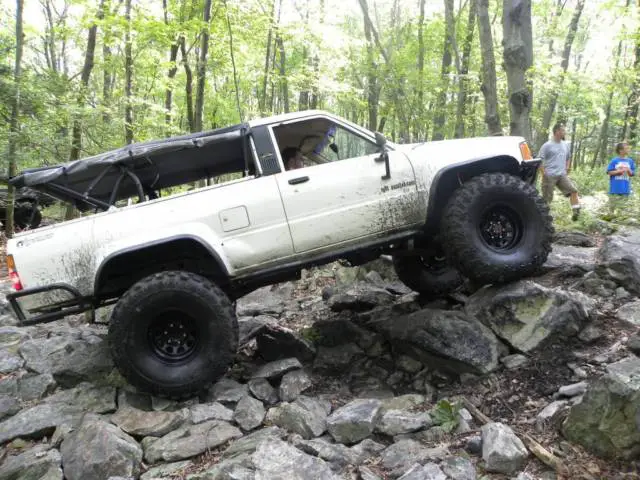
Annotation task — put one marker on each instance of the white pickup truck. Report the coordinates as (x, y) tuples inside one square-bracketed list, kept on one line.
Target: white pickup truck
[(174, 260)]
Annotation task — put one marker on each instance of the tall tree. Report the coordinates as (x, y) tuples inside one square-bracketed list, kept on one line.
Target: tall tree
[(418, 120), (201, 68), (128, 74), (518, 58), (373, 89), (87, 67), (566, 54), (14, 125), (489, 83), (461, 111), (634, 98), (441, 103), (173, 69)]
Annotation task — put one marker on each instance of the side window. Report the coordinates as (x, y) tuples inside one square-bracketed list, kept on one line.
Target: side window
[(345, 144)]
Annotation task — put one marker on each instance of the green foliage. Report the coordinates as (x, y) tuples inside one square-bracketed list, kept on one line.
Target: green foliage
[(446, 414)]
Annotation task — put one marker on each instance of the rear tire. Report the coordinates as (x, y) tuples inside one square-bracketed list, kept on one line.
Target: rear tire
[(496, 228), (431, 276), (172, 334)]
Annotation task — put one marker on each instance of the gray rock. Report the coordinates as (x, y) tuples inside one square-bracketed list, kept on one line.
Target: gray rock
[(426, 335), (474, 445), (366, 449), (37, 463), (511, 362), (428, 471), (35, 387), (590, 334), (146, 424), (525, 314), (293, 384), (336, 359), (98, 449), (277, 460), (166, 470), (228, 391), (630, 313), (623, 272), (276, 342), (397, 422), (633, 344), (210, 411), (621, 293), (307, 417), (266, 300), (8, 406), (70, 360), (354, 421), (367, 474), (359, 297), (459, 468), (573, 389), (262, 390), (339, 331), (404, 402), (549, 413), (10, 362), (250, 327), (249, 413), (65, 407), (408, 364), (190, 440), (336, 454), (577, 239), (239, 467), (11, 337), (606, 421), (249, 443), (502, 451), (567, 256), (277, 369), (402, 455)]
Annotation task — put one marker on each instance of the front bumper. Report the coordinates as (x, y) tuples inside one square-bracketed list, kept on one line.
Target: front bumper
[(48, 312)]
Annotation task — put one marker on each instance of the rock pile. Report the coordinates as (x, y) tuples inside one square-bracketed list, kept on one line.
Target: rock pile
[(339, 379)]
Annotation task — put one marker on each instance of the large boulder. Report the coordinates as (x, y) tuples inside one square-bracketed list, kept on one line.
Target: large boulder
[(620, 256), (98, 449), (570, 257), (69, 359), (360, 297), (607, 421), (37, 463), (447, 340), (525, 314), (275, 459)]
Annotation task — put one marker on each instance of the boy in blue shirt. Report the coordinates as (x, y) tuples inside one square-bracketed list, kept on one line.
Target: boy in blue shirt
[(620, 171)]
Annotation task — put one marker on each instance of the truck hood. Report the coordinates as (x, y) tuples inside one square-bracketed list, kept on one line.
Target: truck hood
[(463, 149)]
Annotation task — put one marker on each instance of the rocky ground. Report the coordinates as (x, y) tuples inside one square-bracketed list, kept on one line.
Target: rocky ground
[(346, 374)]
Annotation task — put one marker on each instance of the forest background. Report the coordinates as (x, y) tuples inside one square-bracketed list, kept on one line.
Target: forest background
[(79, 78)]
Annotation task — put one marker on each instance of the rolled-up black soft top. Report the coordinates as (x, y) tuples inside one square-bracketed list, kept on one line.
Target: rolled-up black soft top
[(145, 167)]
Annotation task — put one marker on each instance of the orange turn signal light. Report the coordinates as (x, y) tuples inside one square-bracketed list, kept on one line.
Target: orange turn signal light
[(525, 151)]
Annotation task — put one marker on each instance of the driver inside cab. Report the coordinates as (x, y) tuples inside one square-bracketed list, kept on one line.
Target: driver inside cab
[(292, 158)]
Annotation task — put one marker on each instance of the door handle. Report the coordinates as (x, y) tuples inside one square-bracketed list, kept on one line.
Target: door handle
[(295, 181)]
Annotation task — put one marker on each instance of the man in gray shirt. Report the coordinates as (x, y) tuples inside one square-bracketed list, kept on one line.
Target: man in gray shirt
[(556, 164)]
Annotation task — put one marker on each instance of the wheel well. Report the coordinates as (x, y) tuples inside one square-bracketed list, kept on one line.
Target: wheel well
[(121, 270), (449, 179)]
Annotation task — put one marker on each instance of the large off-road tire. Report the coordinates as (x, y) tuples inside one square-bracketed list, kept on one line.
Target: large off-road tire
[(429, 276), (496, 228), (172, 334)]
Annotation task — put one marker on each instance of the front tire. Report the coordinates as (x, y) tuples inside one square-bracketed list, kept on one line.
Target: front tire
[(496, 228), (172, 334)]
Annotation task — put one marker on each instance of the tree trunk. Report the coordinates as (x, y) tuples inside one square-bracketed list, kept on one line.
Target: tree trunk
[(489, 82), (284, 85), (14, 125), (173, 69), (441, 103), (373, 89), (418, 131), (518, 58), (107, 70), (188, 86), (566, 53), (128, 74), (262, 99), (461, 112), (201, 67), (634, 98)]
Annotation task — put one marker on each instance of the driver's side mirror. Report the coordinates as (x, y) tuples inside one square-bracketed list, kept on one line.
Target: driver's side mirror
[(381, 141)]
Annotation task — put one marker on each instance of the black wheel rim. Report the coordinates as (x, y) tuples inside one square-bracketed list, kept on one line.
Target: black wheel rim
[(173, 336), (500, 228)]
